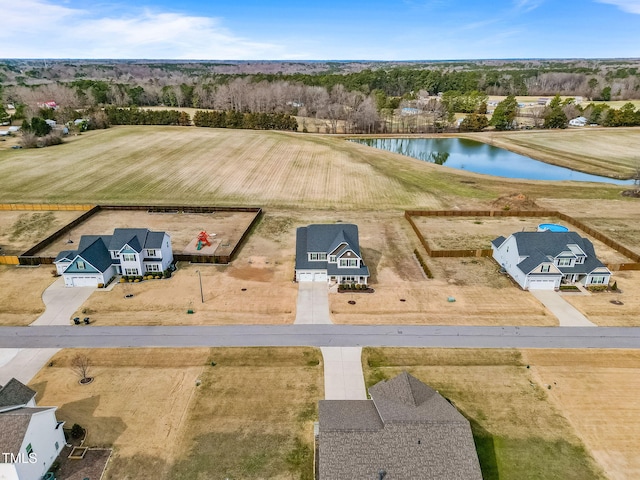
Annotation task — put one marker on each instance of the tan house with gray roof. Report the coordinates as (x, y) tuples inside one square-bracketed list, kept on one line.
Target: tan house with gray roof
[(406, 431)]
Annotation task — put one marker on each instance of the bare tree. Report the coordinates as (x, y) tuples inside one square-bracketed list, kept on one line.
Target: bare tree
[(80, 365)]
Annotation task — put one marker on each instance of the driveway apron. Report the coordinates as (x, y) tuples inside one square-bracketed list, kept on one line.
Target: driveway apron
[(567, 314)]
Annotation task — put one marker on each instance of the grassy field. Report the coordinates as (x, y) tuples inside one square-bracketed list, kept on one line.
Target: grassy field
[(520, 433), (251, 417), (191, 165), (609, 152)]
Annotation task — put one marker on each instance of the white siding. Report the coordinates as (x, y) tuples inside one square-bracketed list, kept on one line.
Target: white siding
[(42, 434), (167, 254), (507, 256), (8, 472)]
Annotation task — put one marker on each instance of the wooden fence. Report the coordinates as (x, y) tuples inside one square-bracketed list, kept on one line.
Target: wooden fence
[(408, 214), (33, 207), (30, 257)]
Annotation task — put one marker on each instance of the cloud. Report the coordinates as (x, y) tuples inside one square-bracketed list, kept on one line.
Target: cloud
[(527, 5), (630, 6), (40, 29)]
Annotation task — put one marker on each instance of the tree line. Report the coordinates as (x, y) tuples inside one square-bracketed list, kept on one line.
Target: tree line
[(253, 121)]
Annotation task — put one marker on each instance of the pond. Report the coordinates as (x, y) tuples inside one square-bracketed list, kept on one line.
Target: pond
[(479, 157)]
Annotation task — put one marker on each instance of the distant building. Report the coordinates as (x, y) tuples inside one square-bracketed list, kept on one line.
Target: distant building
[(544, 101), (50, 104), (578, 122), (409, 111)]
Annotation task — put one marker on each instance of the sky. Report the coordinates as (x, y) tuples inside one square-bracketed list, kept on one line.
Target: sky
[(320, 30)]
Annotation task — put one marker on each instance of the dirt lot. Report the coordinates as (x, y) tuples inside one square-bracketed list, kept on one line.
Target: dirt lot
[(477, 232), (21, 293), (146, 404), (184, 228), (519, 432), (21, 230), (597, 392)]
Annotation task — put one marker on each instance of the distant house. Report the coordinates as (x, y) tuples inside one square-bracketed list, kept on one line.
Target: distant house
[(50, 104), (329, 253), (544, 101), (544, 260), (578, 122), (409, 111), (31, 437), (129, 251), (406, 431)]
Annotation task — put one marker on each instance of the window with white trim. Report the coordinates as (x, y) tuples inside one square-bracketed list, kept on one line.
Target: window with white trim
[(564, 262), (598, 280), (131, 271), (128, 257), (153, 267), (545, 268), (81, 265), (580, 260), (349, 262), (317, 257), (151, 253)]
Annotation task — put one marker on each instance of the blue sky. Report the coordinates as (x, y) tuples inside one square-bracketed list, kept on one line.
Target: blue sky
[(321, 30)]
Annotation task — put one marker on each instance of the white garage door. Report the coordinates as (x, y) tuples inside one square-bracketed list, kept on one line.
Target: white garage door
[(542, 284), (84, 281), (320, 277), (305, 277)]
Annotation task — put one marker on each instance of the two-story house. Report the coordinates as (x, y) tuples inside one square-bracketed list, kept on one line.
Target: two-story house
[(329, 253), (31, 437), (129, 251), (543, 260)]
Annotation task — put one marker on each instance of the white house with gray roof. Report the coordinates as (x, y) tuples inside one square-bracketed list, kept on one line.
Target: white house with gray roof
[(329, 253), (31, 437), (544, 260), (406, 431), (129, 251)]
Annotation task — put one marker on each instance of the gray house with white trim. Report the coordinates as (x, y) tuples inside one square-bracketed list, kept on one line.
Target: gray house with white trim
[(544, 260), (129, 251), (406, 431), (330, 253)]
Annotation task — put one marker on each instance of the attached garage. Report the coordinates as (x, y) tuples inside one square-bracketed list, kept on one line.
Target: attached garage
[(312, 276), (305, 277), (320, 277), (542, 284), (84, 281)]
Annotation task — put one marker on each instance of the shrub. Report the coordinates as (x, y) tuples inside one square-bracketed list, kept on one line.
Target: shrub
[(614, 287), (77, 431), (597, 288), (101, 285), (122, 279)]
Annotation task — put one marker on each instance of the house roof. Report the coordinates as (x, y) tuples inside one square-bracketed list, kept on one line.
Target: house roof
[(407, 430), (544, 246), (15, 393), (94, 249), (325, 238), (13, 428)]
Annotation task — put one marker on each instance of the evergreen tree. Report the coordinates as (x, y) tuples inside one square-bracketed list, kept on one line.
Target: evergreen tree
[(555, 117), (504, 115)]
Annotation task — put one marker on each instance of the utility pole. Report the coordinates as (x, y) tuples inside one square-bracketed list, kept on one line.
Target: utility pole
[(201, 292)]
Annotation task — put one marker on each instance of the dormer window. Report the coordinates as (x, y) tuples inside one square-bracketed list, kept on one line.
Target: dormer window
[(564, 262), (332, 259), (579, 260), (317, 257), (545, 268), (128, 257), (80, 264)]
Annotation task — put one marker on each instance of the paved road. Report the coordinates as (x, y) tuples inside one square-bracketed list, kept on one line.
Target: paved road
[(567, 314), (320, 336)]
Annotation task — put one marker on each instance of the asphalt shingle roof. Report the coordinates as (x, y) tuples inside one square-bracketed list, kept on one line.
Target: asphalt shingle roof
[(408, 430), (15, 393)]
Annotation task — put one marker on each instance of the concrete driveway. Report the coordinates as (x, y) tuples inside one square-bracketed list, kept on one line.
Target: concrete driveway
[(60, 303), (343, 377), (567, 315), (313, 303)]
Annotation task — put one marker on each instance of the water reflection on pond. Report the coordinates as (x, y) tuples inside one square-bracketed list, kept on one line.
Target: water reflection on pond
[(478, 157)]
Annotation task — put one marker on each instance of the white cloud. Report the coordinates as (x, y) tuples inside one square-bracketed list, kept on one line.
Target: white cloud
[(527, 5), (630, 6), (40, 29)]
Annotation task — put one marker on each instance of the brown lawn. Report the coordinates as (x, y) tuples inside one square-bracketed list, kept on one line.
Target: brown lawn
[(597, 392), (250, 411), (21, 230), (21, 293), (183, 228)]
